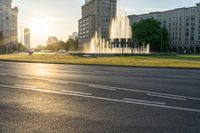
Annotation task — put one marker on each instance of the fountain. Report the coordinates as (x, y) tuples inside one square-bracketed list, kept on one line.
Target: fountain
[(120, 38)]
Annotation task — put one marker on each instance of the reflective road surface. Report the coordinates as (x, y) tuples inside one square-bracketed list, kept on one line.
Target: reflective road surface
[(53, 98)]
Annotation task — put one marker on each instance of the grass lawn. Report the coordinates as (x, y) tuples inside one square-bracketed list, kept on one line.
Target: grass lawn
[(170, 61)]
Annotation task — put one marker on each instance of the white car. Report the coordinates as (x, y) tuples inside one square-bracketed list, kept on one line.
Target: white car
[(62, 51)]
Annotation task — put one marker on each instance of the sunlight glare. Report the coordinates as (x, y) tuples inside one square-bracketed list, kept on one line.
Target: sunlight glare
[(40, 27)]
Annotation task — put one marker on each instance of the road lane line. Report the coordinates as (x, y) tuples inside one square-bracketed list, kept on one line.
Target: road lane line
[(117, 88), (182, 77), (151, 92), (2, 74), (167, 97), (177, 96), (143, 101), (177, 77), (76, 92), (26, 86), (105, 99), (24, 77), (57, 81), (102, 87), (103, 71)]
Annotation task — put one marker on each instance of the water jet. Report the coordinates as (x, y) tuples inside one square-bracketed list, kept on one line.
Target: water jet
[(120, 40)]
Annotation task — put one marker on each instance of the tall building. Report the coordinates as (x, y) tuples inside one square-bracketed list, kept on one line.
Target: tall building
[(9, 23), (27, 38), (96, 17), (183, 26)]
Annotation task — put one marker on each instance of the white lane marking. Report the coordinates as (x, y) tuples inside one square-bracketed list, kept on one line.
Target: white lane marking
[(151, 92), (57, 81), (76, 92), (117, 88), (105, 99), (167, 97), (59, 71), (143, 101), (182, 77), (103, 71), (102, 87), (2, 74), (25, 86), (24, 77), (177, 96), (178, 77)]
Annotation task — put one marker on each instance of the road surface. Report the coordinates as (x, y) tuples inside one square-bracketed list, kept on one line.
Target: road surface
[(54, 98)]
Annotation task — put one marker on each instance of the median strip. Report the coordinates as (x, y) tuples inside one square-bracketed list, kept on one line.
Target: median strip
[(148, 61)]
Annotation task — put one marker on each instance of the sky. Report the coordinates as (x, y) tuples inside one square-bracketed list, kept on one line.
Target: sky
[(60, 17)]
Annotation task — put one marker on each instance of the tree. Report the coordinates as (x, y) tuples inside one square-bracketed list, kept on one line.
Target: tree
[(56, 46), (2, 47), (39, 48), (1, 39), (21, 48), (71, 45), (150, 32)]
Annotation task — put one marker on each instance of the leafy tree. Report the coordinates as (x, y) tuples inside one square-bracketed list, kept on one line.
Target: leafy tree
[(2, 47), (71, 45), (21, 48), (150, 32), (1, 39), (39, 48), (56, 46)]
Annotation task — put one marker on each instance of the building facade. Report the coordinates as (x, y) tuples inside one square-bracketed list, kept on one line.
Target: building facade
[(27, 38), (183, 26), (96, 17), (9, 23)]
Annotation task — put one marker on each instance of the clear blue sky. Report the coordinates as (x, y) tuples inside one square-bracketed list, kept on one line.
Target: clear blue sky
[(64, 14)]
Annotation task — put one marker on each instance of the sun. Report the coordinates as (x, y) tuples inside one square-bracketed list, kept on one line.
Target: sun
[(40, 27)]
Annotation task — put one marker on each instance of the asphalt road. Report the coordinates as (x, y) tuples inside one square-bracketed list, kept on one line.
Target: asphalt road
[(52, 98)]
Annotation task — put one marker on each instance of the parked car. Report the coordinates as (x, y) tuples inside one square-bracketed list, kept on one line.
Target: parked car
[(62, 51)]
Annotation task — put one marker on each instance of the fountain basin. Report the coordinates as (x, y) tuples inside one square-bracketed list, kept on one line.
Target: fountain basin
[(117, 54)]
